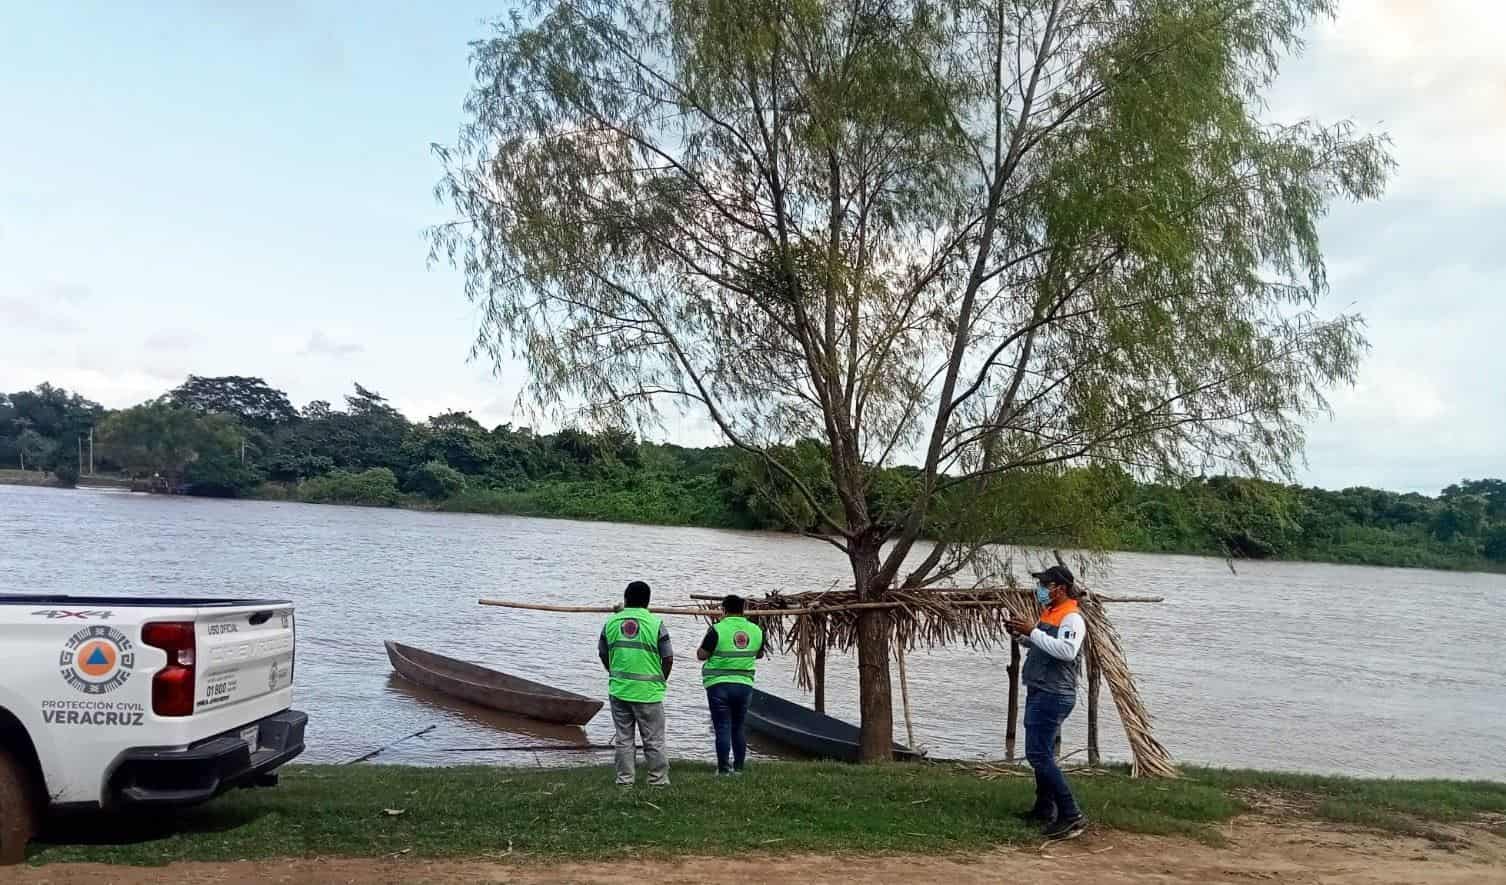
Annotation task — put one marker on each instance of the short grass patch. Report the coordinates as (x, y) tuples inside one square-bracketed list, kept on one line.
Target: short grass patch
[(1434, 800), (376, 810), (776, 808)]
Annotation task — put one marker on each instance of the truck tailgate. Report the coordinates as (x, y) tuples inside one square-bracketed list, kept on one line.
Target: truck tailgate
[(243, 654)]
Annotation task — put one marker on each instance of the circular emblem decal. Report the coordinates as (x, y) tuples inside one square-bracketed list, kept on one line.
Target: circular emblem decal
[(740, 639), (97, 660), (630, 628)]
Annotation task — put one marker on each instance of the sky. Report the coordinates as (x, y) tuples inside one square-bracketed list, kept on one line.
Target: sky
[(241, 187)]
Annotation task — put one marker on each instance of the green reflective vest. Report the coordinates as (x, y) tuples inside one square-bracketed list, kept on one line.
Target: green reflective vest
[(637, 674), (737, 643)]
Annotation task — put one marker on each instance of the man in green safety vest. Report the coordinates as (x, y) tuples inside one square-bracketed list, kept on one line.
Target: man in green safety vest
[(730, 651), (634, 648)]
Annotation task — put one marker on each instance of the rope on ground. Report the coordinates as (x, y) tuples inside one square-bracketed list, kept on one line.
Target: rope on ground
[(374, 753)]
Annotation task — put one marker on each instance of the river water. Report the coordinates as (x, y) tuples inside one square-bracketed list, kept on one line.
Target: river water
[(1293, 666)]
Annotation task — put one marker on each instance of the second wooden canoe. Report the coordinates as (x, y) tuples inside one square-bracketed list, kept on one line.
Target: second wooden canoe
[(491, 688), (812, 733)]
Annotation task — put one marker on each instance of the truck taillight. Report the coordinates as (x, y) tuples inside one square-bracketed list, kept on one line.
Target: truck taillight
[(172, 687)]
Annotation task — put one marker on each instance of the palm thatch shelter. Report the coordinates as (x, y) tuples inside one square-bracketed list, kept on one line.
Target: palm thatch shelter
[(810, 625)]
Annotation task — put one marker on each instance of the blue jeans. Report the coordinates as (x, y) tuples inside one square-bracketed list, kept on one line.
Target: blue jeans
[(729, 707), (1044, 714)]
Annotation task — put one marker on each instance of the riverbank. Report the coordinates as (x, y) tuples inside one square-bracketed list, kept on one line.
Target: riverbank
[(27, 478), (693, 502), (526, 816), (39, 479)]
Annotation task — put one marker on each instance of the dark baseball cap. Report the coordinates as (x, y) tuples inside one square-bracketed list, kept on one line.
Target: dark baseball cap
[(1057, 574)]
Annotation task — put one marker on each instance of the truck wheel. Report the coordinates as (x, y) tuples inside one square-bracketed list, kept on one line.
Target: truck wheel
[(18, 809)]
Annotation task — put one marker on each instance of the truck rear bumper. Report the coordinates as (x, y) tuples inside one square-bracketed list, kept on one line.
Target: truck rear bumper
[(178, 777)]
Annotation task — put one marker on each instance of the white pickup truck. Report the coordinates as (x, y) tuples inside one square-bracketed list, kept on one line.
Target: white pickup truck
[(109, 703)]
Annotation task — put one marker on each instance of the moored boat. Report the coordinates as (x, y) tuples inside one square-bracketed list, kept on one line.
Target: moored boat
[(491, 688), (812, 733)]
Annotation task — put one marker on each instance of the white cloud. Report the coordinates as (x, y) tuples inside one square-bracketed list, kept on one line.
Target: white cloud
[(1395, 397), (320, 343), (71, 293), (1422, 264), (1429, 72), (36, 314), (112, 387)]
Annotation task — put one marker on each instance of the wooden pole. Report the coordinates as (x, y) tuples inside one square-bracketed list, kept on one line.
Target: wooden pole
[(604, 610), (904, 691), (700, 612), (820, 673), (943, 593), (1014, 700), (1095, 678)]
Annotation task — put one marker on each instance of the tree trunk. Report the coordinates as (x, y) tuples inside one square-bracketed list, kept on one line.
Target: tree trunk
[(876, 741), (875, 700)]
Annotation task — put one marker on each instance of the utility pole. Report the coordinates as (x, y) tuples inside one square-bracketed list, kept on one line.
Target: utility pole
[(80, 453), (91, 451)]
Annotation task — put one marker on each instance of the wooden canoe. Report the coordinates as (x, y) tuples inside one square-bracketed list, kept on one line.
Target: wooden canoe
[(489, 688), (812, 733)]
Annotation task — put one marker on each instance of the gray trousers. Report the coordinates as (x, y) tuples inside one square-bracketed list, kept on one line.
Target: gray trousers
[(648, 719)]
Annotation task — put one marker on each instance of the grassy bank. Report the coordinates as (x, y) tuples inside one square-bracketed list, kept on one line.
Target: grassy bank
[(26, 478), (375, 811), (693, 502)]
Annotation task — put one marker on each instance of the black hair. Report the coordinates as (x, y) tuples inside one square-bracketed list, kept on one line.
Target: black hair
[(732, 604), (636, 595)]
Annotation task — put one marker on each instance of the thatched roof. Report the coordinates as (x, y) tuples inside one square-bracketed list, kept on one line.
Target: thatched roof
[(828, 621), (811, 624)]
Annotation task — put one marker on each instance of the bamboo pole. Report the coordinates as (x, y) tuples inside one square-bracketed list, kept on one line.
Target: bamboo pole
[(904, 692), (1101, 597), (761, 613), (820, 674), (1014, 700), (1095, 679), (606, 610)]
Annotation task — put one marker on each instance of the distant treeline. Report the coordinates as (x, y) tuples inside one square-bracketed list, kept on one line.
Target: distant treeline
[(237, 436)]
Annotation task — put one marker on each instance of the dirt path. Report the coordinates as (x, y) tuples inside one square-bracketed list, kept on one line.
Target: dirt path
[(1259, 850)]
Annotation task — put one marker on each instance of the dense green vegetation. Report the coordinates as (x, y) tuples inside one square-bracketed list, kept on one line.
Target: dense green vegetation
[(239, 437), (332, 811)]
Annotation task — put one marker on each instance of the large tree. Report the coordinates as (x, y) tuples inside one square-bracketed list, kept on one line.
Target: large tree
[(33, 448), (251, 401), (991, 236), (55, 414), (162, 438), (368, 433)]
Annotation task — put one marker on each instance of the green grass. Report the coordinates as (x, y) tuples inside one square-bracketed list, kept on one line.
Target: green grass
[(1406, 808), (579, 813), (778, 807)]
